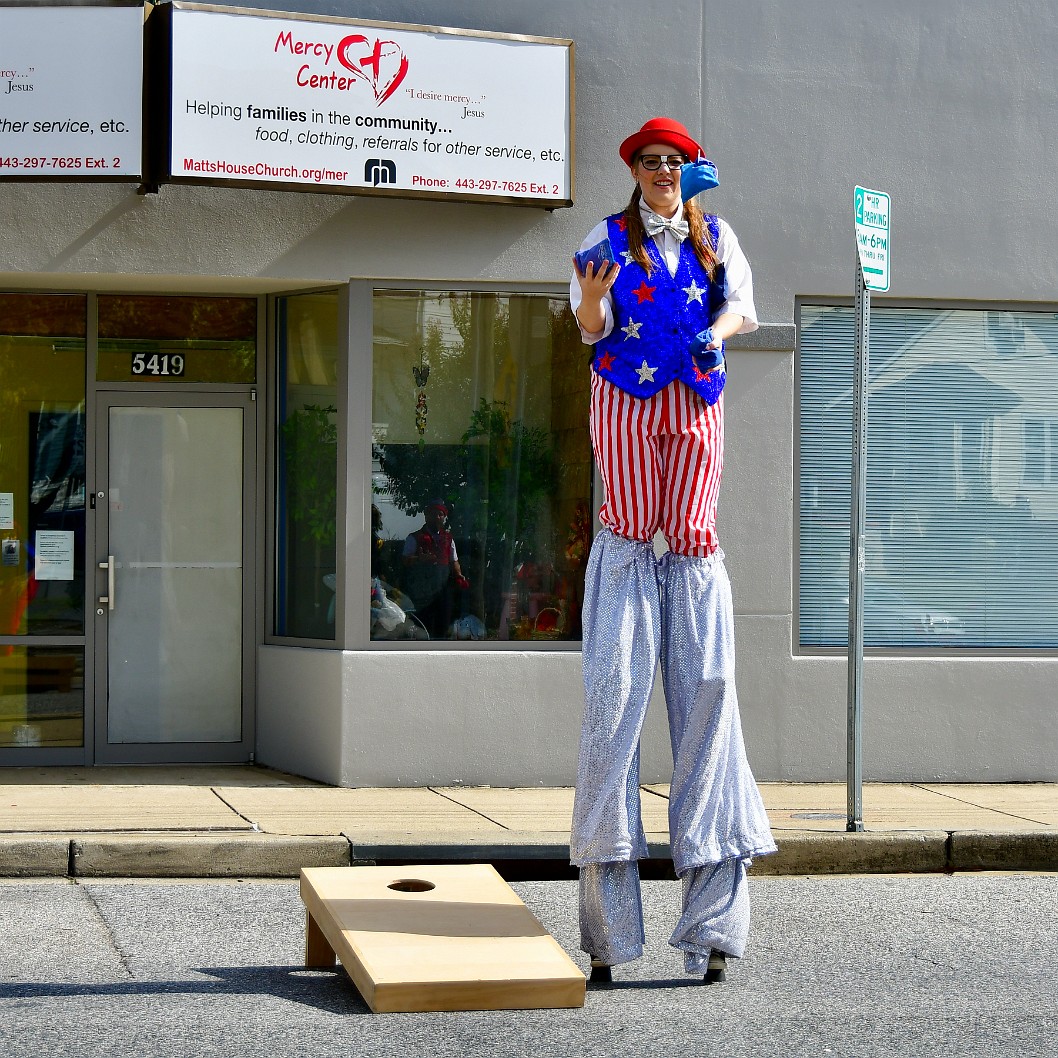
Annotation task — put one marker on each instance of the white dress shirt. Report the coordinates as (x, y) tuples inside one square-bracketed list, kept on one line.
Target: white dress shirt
[(738, 278)]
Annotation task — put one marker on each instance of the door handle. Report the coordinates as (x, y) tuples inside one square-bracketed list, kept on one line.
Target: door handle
[(109, 567)]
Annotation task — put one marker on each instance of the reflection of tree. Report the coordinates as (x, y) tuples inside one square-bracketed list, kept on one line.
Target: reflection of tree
[(464, 367), (415, 476), (510, 470), (493, 483), (222, 330), (179, 318), (310, 463)]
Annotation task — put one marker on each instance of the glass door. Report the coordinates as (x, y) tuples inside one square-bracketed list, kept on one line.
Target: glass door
[(174, 579)]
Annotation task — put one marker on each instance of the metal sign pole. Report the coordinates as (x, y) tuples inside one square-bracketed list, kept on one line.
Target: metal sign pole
[(857, 562)]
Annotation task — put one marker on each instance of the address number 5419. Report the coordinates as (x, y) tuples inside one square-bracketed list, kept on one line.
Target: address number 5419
[(158, 364)]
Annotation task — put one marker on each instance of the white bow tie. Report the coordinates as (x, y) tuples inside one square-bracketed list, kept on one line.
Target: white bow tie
[(655, 225)]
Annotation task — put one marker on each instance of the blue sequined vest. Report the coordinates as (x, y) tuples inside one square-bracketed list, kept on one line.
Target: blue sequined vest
[(655, 318)]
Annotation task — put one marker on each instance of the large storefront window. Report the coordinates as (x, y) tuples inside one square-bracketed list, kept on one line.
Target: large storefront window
[(481, 483), (307, 465), (42, 518), (962, 478)]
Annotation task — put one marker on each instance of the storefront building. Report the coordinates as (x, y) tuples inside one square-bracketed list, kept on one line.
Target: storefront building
[(248, 382)]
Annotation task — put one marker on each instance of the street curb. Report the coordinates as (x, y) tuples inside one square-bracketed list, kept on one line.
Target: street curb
[(470, 846), (890, 852), (800, 852), (203, 855), (520, 853), (1034, 850), (34, 857)]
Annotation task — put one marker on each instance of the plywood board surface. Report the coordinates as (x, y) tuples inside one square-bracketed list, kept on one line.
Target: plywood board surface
[(436, 937)]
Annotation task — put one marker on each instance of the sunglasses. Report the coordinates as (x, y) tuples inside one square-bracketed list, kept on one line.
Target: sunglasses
[(654, 161)]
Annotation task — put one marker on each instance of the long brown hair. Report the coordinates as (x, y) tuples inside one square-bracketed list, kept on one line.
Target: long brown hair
[(701, 239)]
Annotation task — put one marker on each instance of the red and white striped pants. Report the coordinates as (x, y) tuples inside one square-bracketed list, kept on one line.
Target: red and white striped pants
[(661, 459)]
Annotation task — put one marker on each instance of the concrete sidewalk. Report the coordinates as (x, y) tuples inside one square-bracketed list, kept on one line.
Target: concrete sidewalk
[(251, 822)]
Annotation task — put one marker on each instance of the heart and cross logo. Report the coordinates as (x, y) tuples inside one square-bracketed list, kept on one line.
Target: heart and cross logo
[(383, 67)]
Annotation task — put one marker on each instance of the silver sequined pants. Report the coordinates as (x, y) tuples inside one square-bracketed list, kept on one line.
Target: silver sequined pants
[(637, 612)]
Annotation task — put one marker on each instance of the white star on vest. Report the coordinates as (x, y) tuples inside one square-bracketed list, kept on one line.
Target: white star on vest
[(694, 292), (646, 374), (627, 255), (632, 330)]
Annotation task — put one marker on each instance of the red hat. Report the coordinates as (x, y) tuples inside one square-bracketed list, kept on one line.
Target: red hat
[(661, 130)]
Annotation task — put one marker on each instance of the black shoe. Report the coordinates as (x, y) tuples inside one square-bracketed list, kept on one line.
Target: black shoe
[(716, 971), (600, 974)]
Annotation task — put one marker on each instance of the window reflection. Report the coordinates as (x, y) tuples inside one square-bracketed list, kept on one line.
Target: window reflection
[(481, 467), (42, 518), (144, 337), (307, 465), (962, 504), (42, 464), (41, 697)]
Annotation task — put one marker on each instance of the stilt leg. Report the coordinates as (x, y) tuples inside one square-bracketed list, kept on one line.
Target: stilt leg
[(715, 809), (716, 817), (620, 653), (715, 914), (611, 912)]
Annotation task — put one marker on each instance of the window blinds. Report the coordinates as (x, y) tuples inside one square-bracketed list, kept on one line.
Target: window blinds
[(962, 478)]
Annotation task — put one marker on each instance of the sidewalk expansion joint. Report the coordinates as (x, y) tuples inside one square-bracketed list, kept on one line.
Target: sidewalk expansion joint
[(128, 830), (228, 804), (469, 808), (983, 808)]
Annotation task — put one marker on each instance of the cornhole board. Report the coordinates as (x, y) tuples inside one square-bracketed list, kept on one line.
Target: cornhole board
[(441, 937)]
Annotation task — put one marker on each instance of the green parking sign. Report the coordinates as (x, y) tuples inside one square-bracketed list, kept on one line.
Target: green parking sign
[(872, 236)]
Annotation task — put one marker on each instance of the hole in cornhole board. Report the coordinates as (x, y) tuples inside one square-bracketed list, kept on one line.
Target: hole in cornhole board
[(411, 885)]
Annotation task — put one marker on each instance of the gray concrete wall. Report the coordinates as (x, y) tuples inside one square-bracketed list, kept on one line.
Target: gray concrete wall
[(948, 106), (188, 236), (300, 721), (514, 716)]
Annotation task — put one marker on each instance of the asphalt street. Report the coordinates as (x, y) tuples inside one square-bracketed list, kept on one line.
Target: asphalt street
[(838, 966)]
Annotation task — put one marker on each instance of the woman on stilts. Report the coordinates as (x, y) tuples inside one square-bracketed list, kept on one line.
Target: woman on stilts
[(657, 319)]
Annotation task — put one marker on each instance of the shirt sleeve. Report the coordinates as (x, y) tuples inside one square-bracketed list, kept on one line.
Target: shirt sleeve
[(597, 234), (738, 278)]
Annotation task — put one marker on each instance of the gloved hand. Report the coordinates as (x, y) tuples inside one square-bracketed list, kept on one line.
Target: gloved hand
[(462, 582), (706, 359), (696, 177)]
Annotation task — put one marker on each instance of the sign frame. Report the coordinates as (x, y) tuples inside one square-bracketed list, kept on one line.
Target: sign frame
[(81, 174), (159, 82), (872, 248)]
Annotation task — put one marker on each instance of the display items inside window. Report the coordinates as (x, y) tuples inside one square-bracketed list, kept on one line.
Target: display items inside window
[(481, 472), (961, 543)]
